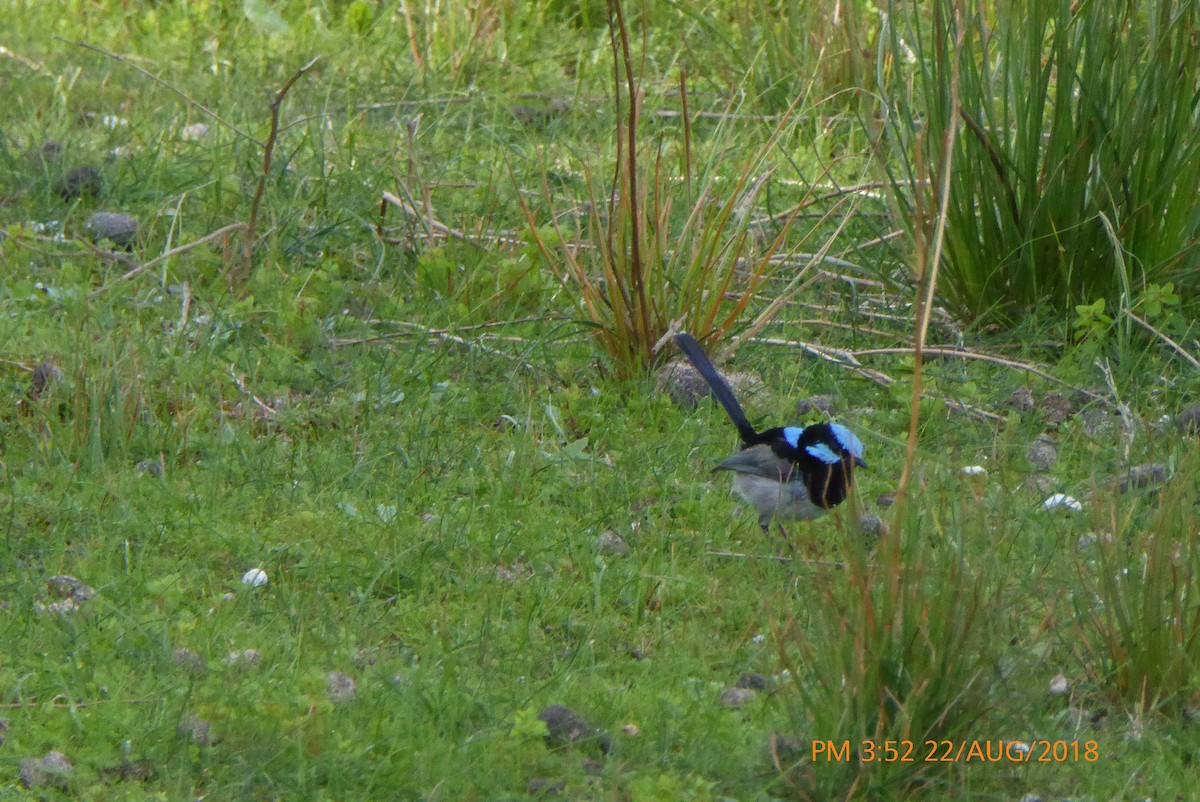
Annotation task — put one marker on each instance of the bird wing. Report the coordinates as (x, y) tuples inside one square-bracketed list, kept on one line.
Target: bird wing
[(762, 461)]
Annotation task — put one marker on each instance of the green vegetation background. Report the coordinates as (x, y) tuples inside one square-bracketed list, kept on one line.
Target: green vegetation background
[(413, 434)]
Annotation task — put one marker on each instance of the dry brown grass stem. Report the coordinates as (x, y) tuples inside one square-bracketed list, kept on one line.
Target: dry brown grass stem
[(268, 149), (182, 249)]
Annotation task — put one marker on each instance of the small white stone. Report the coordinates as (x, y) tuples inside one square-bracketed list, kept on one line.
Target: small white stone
[(974, 470), (342, 687), (244, 657), (60, 607), (1092, 539), (255, 577), (193, 132), (1059, 686), (1062, 500)]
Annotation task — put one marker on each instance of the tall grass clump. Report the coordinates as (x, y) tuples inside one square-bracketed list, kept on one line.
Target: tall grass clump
[(1077, 169), (789, 48), (644, 267), (94, 415), (1138, 609), (899, 653)]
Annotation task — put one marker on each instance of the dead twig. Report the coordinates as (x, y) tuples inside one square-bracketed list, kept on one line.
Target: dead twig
[(437, 335), (491, 324), (1127, 422), (431, 224), (841, 358), (55, 704), (220, 232), (268, 151), (779, 558), (241, 385), (108, 256), (871, 243), (1176, 347), (185, 306), (849, 361), (996, 360), (18, 365), (969, 410), (410, 24), (25, 239), (23, 60)]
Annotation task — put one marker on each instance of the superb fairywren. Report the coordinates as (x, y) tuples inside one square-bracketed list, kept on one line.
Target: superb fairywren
[(798, 472)]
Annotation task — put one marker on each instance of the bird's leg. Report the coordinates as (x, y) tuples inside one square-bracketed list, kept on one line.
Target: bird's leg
[(787, 549)]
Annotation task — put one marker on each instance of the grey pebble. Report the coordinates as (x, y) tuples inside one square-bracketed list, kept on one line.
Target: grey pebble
[(65, 586), (80, 182), (687, 388), (342, 687), (44, 375), (188, 660), (245, 657), (193, 132), (565, 727), (120, 229), (871, 524), (50, 151), (53, 769), (733, 698), (196, 730), (1057, 408), (1022, 399), (151, 467), (1150, 473), (784, 748), (541, 786), (610, 543), (1091, 539), (755, 682), (1189, 419), (821, 403), (1042, 453), (1098, 423)]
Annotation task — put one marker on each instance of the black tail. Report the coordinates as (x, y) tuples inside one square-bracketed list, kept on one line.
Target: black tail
[(720, 388)]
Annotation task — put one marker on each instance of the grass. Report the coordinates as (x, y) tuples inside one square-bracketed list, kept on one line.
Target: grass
[(408, 434), (1073, 175)]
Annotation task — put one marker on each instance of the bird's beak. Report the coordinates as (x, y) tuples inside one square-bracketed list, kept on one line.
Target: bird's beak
[(860, 462)]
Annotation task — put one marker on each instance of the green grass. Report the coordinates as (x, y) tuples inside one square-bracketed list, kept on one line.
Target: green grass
[(1074, 169), (413, 437)]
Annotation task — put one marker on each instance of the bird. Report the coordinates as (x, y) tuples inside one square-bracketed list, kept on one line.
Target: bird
[(786, 472)]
